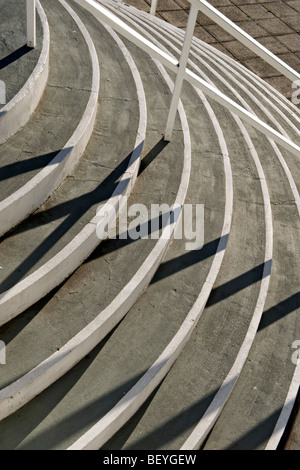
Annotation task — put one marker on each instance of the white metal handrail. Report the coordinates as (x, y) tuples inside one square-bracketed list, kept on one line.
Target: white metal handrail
[(237, 32), (31, 23), (103, 14)]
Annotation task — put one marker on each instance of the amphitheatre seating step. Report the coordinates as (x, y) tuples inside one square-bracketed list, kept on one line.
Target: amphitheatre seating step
[(43, 150), (226, 312), (17, 61), (114, 263), (23, 70), (145, 320), (290, 194), (69, 210), (277, 176)]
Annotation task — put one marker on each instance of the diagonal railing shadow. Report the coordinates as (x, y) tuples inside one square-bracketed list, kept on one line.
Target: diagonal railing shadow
[(179, 424), (73, 210), (258, 435), (280, 310), (152, 154), (71, 423), (168, 268), (25, 166), (13, 56), (239, 283)]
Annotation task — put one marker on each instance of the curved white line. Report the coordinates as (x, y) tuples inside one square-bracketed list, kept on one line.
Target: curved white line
[(43, 375), (31, 195), (212, 413), (227, 386), (210, 417), (19, 109), (125, 408), (286, 411)]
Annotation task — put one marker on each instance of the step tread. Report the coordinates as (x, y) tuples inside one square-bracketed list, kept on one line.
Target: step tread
[(60, 109), (261, 230)]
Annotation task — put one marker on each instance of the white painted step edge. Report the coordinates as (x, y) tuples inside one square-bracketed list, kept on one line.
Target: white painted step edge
[(162, 24), (19, 109), (42, 376), (30, 196), (210, 417), (206, 423)]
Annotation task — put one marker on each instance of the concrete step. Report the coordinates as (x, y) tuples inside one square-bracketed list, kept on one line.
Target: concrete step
[(43, 250), (289, 193), (144, 191), (156, 118), (31, 166), (171, 347)]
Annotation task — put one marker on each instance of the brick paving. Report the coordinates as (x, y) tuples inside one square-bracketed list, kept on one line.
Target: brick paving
[(274, 23)]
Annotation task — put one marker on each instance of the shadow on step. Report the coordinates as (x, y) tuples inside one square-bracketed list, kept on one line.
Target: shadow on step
[(160, 436), (257, 437), (25, 166), (27, 424), (71, 211), (239, 283), (13, 56), (280, 310), (152, 154), (190, 258)]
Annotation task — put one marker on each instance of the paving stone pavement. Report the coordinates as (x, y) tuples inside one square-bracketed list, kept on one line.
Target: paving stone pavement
[(274, 23)]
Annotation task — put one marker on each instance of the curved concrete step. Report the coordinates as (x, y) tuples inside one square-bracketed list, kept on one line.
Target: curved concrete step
[(23, 71), (31, 167), (144, 346), (293, 185), (242, 353), (212, 248), (180, 388), (210, 163), (43, 250)]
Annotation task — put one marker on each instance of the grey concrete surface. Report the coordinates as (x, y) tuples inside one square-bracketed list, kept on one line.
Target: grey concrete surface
[(274, 23), (63, 412), (167, 419), (60, 110), (138, 340), (17, 61), (94, 179)]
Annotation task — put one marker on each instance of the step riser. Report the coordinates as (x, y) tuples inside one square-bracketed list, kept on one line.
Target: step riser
[(179, 345), (28, 198), (97, 436), (39, 379)]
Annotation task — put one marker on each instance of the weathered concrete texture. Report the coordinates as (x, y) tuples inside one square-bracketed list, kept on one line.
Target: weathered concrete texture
[(251, 414), (61, 414), (93, 181), (168, 417), (274, 23), (17, 61), (60, 109)]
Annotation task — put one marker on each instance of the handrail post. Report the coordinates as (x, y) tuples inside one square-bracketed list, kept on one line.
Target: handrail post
[(181, 70), (153, 7), (31, 23)]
